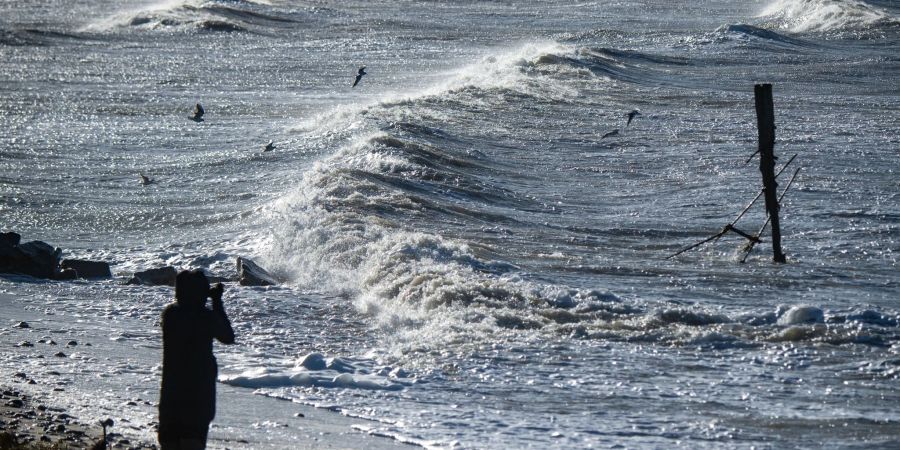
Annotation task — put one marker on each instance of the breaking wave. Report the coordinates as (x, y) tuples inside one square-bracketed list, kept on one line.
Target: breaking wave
[(383, 220), (195, 15), (801, 16)]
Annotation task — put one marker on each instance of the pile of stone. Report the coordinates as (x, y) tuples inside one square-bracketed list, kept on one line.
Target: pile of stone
[(41, 260)]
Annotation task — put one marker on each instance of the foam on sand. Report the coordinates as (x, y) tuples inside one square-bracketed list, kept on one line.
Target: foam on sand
[(314, 370)]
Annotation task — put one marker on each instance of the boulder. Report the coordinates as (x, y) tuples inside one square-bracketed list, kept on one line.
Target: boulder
[(87, 269), (35, 258), (161, 276), (65, 274), (251, 274), (9, 239)]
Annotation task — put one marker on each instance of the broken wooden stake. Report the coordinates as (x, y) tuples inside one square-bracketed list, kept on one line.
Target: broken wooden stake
[(765, 121), (749, 247)]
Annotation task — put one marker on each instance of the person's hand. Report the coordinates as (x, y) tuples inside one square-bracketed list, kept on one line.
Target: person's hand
[(216, 291)]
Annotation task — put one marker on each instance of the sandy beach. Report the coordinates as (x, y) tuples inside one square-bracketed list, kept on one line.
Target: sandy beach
[(50, 399)]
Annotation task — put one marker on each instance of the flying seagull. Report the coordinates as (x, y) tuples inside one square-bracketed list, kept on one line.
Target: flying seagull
[(359, 75), (634, 113), (145, 180), (610, 134), (269, 147), (198, 113)]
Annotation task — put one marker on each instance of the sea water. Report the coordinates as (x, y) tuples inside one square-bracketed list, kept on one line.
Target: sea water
[(467, 260)]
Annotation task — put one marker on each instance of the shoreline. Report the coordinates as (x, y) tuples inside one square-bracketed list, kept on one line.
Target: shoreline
[(58, 366), (32, 421)]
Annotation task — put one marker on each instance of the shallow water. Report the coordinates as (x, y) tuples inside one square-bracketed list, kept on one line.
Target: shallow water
[(475, 263)]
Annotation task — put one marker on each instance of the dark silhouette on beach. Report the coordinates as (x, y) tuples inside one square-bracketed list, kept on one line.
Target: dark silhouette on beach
[(187, 398)]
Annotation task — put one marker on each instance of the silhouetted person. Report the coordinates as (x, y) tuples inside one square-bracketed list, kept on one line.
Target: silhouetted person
[(187, 398)]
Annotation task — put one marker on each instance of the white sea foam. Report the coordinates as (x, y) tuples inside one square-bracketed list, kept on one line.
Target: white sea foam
[(802, 314), (825, 15), (314, 370), (176, 15)]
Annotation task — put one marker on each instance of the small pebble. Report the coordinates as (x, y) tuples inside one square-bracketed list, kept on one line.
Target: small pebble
[(53, 372), (59, 355), (25, 344), (32, 382), (23, 325), (20, 375), (299, 415), (71, 343), (58, 389)]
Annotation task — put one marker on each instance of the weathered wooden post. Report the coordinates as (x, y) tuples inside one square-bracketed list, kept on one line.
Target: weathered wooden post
[(765, 121)]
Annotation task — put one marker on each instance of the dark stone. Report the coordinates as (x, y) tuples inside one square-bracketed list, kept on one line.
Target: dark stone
[(71, 343), (23, 325), (155, 277), (15, 403), (59, 355), (20, 375), (87, 269), (35, 258), (252, 275), (10, 239), (25, 344), (65, 274)]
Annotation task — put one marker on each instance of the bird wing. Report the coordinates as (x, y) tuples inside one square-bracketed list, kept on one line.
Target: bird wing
[(355, 82)]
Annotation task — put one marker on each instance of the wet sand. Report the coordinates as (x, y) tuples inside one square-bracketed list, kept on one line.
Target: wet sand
[(52, 395)]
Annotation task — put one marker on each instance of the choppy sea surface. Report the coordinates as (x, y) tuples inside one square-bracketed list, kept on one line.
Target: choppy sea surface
[(469, 259)]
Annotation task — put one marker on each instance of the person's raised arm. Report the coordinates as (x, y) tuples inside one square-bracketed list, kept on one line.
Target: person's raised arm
[(221, 325)]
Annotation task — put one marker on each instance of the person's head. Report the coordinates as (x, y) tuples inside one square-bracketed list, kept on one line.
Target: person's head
[(191, 288)]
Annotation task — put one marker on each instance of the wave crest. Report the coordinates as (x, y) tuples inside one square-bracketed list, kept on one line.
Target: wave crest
[(800, 16), (193, 15)]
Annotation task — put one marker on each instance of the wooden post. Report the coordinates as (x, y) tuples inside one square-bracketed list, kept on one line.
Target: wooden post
[(765, 121)]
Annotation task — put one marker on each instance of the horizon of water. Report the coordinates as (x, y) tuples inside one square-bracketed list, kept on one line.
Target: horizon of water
[(468, 261)]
